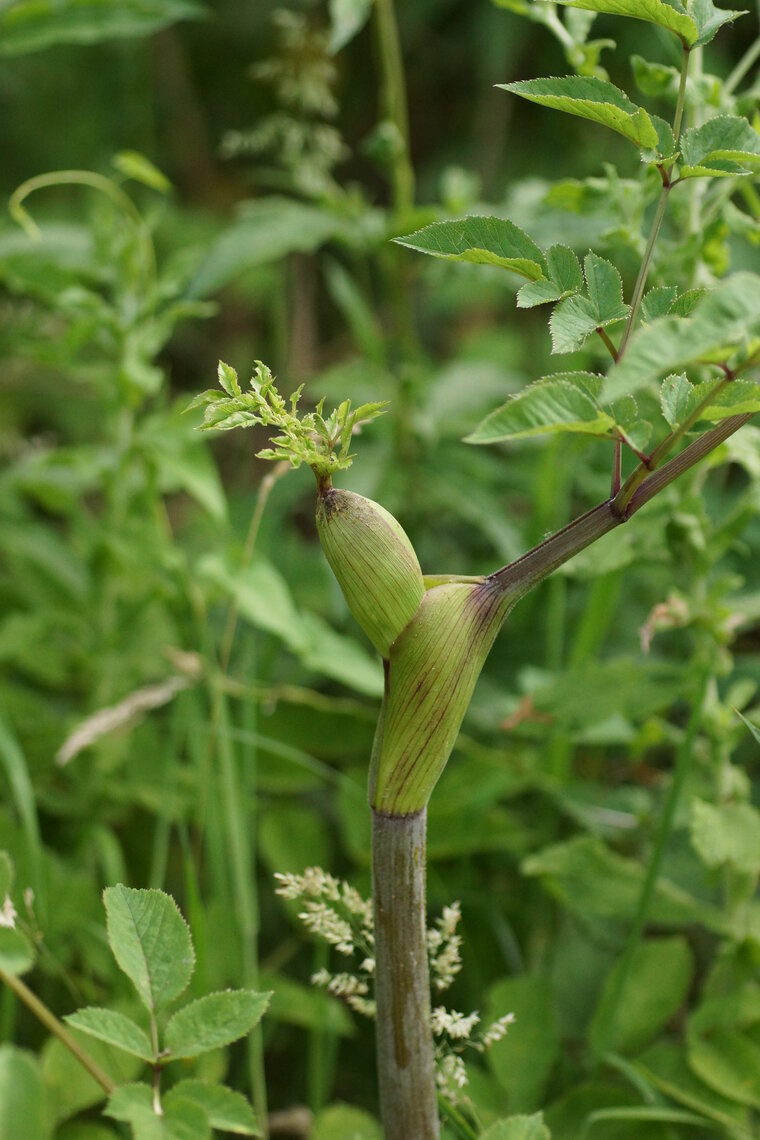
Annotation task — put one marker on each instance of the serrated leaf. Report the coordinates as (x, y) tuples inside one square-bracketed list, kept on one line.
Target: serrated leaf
[(593, 99), (671, 15), (228, 379), (150, 941), (214, 1021), (710, 19), (676, 398), (576, 318), (518, 1128), (482, 241), (726, 834), (558, 403), (685, 303), (721, 322), (564, 277), (665, 148), (657, 302), (226, 1110), (723, 147), (114, 1028)]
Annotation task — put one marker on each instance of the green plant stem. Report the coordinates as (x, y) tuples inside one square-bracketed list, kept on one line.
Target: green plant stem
[(408, 1102), (680, 773), (394, 102), (659, 214), (51, 1022), (523, 574)]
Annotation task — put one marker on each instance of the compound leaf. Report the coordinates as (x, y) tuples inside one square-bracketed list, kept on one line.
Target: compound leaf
[(577, 317)]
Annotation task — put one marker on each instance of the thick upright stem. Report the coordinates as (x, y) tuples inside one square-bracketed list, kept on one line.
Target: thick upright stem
[(402, 983)]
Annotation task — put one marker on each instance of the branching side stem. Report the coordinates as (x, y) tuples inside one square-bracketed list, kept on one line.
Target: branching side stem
[(51, 1022)]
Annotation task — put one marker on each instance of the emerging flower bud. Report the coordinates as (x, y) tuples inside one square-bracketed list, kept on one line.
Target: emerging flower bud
[(374, 562)]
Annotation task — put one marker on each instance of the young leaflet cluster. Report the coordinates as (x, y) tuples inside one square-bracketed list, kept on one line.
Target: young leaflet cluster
[(322, 442)]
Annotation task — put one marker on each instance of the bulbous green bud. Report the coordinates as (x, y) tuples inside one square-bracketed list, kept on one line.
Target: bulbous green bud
[(374, 562), (434, 666)]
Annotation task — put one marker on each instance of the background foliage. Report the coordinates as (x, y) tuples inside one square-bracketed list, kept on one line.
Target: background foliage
[(244, 172)]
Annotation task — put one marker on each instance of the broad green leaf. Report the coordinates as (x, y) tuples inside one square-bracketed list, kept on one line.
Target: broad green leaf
[(666, 1067), (114, 1028), (722, 321), (589, 878), (518, 1128), (723, 147), (150, 941), (652, 993), (30, 25), (676, 398), (576, 318), (739, 398), (657, 302), (523, 1060), (593, 99), (656, 79), (213, 1021), (564, 277), (16, 951), (666, 15), (347, 18), (709, 19), (226, 1110), (343, 1122), (726, 833), (559, 403), (23, 1108), (482, 241), (141, 169)]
